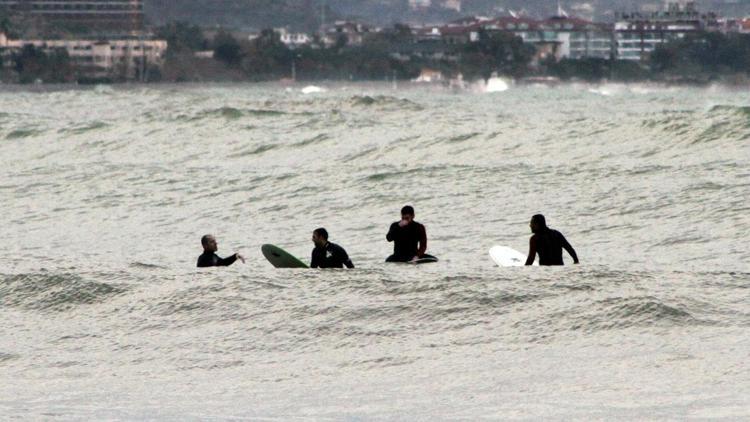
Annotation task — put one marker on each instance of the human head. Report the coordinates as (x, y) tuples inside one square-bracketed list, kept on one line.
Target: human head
[(407, 213), (320, 237), (209, 243), (537, 223)]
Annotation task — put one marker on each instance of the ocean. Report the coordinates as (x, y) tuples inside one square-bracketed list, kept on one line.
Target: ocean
[(106, 192)]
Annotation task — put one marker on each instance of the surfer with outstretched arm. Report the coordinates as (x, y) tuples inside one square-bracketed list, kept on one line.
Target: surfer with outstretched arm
[(327, 254), (209, 257), (409, 238), (548, 243)]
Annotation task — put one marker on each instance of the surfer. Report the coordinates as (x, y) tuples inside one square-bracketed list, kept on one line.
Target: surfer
[(409, 238), (548, 243), (209, 257), (327, 254)]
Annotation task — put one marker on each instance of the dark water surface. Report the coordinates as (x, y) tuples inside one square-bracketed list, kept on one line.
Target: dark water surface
[(106, 193)]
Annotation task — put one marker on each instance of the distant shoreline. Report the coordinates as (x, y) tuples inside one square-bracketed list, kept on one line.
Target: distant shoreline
[(333, 83)]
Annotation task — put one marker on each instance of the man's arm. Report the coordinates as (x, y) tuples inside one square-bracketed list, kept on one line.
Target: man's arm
[(314, 260), (422, 241), (343, 257), (391, 236), (225, 262), (532, 251), (569, 248)]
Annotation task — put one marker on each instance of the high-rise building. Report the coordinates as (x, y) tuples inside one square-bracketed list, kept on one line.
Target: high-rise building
[(452, 5), (637, 35), (98, 17), (419, 4)]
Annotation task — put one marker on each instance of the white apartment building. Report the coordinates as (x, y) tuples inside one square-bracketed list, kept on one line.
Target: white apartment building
[(637, 35), (111, 17), (452, 5), (419, 4), (293, 39), (97, 59)]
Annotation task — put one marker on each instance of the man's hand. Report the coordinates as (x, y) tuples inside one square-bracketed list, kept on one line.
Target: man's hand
[(241, 258), (415, 259), (403, 223)]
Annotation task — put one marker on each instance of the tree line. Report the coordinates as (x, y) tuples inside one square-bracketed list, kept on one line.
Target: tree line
[(393, 54), (699, 58)]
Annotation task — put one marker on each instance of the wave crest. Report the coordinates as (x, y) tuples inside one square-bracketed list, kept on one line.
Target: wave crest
[(53, 292)]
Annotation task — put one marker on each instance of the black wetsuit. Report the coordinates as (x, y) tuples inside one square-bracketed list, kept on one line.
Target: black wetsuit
[(210, 259), (330, 256), (408, 241), (549, 244)]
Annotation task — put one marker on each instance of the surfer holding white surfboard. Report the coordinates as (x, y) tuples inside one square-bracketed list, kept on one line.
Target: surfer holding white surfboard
[(409, 239), (548, 243)]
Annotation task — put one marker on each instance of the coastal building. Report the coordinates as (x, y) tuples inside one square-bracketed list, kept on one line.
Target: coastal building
[(293, 39), (113, 59), (743, 26), (419, 4), (111, 18), (632, 37), (559, 36), (452, 5), (352, 33), (427, 75), (637, 34), (579, 38)]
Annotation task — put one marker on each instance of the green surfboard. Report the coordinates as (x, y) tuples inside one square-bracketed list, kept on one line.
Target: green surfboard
[(280, 258)]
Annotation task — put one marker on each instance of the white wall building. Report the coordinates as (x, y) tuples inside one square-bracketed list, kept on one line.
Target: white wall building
[(419, 4), (293, 39), (110, 17), (97, 59), (452, 5), (561, 36), (637, 35)]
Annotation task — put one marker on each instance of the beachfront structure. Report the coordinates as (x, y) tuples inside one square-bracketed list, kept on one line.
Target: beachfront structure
[(353, 33), (565, 37), (113, 59), (420, 4), (452, 5), (637, 35), (93, 17), (559, 36), (293, 39)]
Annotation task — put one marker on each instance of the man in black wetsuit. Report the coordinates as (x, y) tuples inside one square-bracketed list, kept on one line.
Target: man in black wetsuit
[(327, 254), (547, 243), (209, 257), (409, 238)]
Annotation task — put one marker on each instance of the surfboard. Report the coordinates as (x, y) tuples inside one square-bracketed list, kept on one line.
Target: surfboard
[(280, 258), (426, 260), (508, 257)]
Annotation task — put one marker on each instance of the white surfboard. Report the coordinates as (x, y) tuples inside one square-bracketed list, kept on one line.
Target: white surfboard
[(508, 257)]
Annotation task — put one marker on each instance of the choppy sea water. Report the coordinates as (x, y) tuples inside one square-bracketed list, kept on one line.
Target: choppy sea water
[(106, 193)]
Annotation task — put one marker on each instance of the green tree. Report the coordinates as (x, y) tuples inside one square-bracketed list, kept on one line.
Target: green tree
[(499, 52), (703, 55), (227, 49), (8, 24), (34, 64), (182, 37), (267, 57), (588, 69)]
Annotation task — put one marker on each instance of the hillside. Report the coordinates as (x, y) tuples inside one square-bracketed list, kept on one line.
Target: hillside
[(307, 14)]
